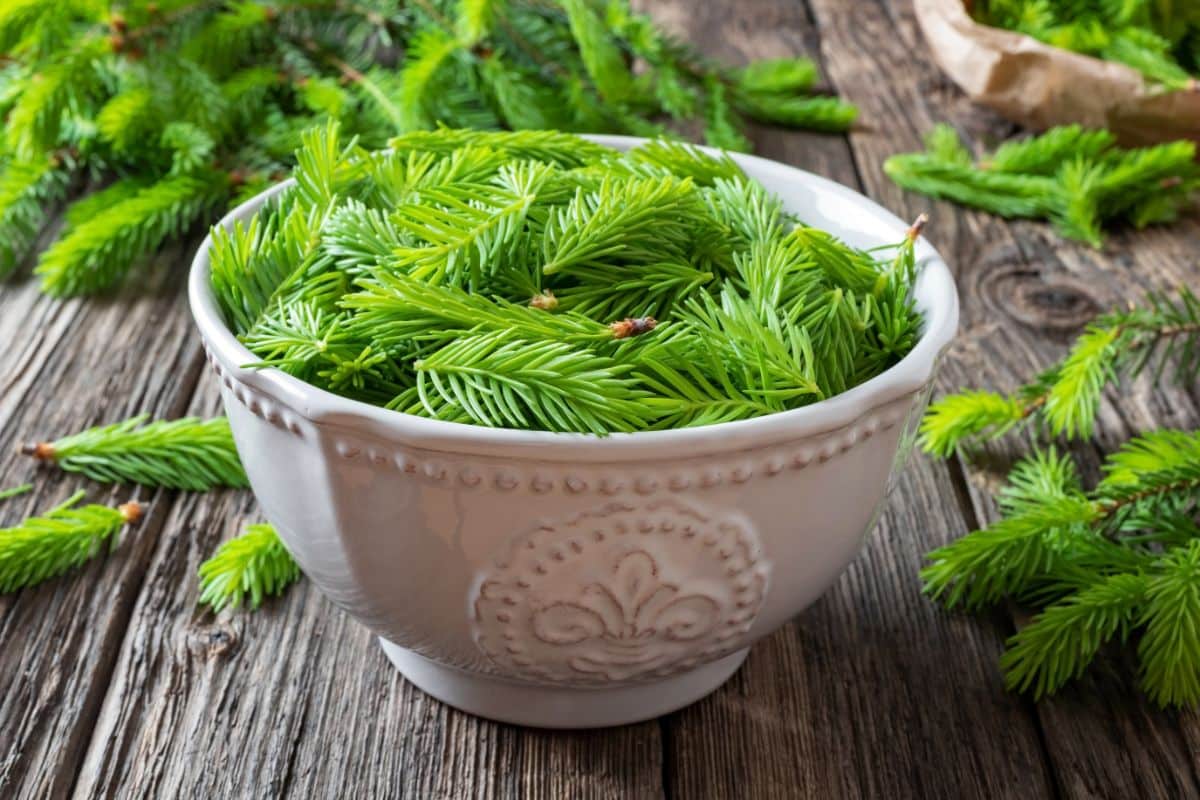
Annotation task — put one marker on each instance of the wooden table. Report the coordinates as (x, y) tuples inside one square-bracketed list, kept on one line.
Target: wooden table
[(114, 684)]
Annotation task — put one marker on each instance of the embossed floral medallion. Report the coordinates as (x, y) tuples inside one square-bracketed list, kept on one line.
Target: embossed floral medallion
[(623, 593)]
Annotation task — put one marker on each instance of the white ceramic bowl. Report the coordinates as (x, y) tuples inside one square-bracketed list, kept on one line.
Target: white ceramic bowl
[(566, 580)]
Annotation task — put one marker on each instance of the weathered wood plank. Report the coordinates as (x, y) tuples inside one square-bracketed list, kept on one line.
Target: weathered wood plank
[(68, 366), (818, 707), (871, 692), (1024, 292)]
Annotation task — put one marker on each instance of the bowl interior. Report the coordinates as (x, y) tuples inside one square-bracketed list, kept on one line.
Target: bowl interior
[(816, 200)]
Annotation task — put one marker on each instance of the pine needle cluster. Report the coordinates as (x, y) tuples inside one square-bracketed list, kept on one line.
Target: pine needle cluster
[(1119, 562), (247, 569), (63, 538), (1161, 40), (536, 280), (188, 453), (1163, 333), (147, 116), (1078, 179), (192, 454)]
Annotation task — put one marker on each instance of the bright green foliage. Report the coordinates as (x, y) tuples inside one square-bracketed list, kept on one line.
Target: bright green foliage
[(1124, 557), (533, 280), (28, 192), (247, 569), (1076, 178), (503, 380), (1065, 398), (180, 454), (44, 547), (15, 491), (1104, 565), (1157, 39), (1061, 642), (93, 254), (778, 75), (827, 114), (958, 417), (202, 103)]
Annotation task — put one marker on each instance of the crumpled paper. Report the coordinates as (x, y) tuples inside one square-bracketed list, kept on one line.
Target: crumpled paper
[(1040, 86)]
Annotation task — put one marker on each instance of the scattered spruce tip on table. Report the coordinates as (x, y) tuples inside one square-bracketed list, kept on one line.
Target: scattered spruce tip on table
[(246, 570), (187, 453), (1157, 39), (63, 538), (1116, 563), (1076, 178), (1162, 335), (536, 280), (145, 118)]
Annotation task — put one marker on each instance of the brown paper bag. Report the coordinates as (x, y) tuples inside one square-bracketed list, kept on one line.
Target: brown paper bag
[(1040, 86)]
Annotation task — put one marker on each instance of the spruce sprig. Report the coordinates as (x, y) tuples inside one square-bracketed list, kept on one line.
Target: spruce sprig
[(200, 103), (1156, 39), (1076, 178), (1064, 400), (499, 379), (535, 280), (186, 453), (56, 542), (29, 189), (247, 569), (1116, 563), (1101, 562)]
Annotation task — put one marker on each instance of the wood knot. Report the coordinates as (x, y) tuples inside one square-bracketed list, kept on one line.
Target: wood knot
[(1057, 304), (212, 641)]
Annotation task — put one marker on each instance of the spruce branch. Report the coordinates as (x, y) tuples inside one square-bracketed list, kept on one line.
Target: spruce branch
[(1157, 40), (1119, 345), (29, 189), (1076, 178), (1117, 563), (200, 102), (94, 254), (777, 75), (1170, 647), (600, 54), (828, 114), (188, 453), (63, 538), (1061, 641), (247, 569)]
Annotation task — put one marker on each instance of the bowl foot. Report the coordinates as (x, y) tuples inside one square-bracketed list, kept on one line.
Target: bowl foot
[(555, 706)]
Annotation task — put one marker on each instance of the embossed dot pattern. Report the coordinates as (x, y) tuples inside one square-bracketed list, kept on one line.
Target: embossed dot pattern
[(508, 479)]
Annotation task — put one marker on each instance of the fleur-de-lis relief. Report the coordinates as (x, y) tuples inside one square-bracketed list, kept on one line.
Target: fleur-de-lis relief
[(624, 616), (621, 593)]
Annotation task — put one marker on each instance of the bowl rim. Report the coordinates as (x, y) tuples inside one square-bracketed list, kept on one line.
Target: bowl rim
[(936, 299)]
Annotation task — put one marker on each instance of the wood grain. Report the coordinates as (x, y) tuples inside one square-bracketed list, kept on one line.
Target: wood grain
[(114, 684), (873, 658), (1025, 292), (67, 366)]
